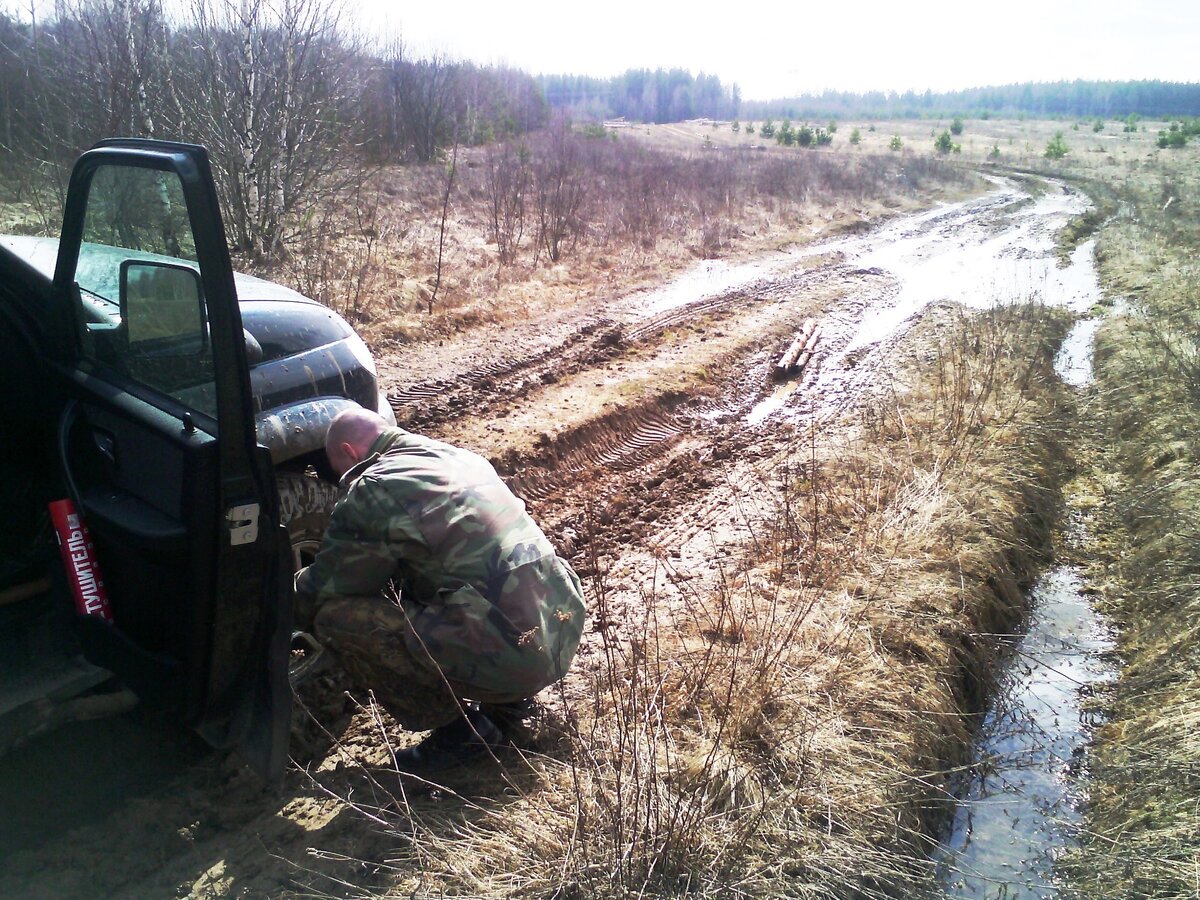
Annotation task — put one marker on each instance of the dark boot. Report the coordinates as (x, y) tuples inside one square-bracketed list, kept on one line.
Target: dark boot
[(509, 715), (464, 739)]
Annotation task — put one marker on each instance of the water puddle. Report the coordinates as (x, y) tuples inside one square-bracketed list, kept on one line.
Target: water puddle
[(708, 279), (1074, 360), (772, 403), (1020, 808), (981, 262), (712, 278)]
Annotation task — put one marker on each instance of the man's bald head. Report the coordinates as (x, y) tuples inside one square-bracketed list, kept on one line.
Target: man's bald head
[(350, 437)]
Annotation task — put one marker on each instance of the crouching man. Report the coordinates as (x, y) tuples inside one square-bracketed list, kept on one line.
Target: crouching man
[(485, 611)]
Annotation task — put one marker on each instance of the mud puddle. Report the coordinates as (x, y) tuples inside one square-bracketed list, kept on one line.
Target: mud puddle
[(711, 279), (988, 251), (1074, 360), (1019, 808)]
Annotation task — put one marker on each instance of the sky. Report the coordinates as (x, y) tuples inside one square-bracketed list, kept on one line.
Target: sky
[(788, 47), (784, 48)]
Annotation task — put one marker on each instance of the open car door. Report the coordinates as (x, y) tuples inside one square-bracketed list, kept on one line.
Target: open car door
[(157, 448)]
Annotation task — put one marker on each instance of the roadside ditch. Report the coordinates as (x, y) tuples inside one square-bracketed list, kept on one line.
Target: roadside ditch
[(1019, 804)]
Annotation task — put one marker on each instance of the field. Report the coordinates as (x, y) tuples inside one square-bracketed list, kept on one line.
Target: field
[(794, 586)]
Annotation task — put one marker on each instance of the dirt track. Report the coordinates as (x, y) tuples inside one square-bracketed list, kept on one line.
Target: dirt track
[(633, 430)]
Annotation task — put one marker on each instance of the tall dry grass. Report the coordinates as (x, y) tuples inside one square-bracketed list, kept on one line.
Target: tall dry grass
[(1144, 815), (794, 728)]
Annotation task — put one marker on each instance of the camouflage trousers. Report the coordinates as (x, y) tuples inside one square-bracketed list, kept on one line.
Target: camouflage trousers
[(368, 637)]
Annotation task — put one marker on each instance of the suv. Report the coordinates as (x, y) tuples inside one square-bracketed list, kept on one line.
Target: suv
[(182, 409)]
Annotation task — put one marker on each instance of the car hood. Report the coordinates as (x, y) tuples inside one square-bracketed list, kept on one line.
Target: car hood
[(42, 254)]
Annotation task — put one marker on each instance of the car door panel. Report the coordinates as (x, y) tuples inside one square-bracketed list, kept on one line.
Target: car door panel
[(156, 445)]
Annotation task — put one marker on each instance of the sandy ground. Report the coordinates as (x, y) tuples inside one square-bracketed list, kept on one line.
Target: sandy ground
[(633, 429)]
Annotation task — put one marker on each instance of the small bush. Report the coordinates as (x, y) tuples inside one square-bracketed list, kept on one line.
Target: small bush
[(956, 127), (895, 143), (768, 129), (1057, 148), (855, 137), (943, 143), (1174, 138)]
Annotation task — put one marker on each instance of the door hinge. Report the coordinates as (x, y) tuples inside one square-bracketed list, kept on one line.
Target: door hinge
[(243, 524)]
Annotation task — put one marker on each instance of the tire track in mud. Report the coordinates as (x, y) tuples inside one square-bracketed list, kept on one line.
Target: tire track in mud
[(629, 468), (507, 377), (622, 442), (501, 381)]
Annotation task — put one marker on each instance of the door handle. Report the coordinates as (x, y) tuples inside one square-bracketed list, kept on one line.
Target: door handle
[(106, 444)]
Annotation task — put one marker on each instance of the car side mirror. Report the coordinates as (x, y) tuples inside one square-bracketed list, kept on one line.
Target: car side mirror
[(162, 309)]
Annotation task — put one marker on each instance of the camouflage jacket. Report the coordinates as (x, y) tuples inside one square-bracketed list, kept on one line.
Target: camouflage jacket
[(487, 597)]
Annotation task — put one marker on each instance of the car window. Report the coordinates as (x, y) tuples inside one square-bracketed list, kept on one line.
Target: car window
[(141, 300)]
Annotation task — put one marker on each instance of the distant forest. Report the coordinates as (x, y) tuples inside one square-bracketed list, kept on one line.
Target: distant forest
[(1083, 99), (674, 95), (643, 95)]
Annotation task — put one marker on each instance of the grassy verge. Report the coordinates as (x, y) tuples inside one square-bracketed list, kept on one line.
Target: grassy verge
[(794, 730), (1144, 816)]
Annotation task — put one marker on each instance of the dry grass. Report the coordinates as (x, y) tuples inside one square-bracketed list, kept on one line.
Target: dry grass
[(1144, 817), (794, 730)]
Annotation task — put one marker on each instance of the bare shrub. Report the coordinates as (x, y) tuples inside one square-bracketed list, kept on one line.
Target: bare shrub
[(560, 188), (337, 260), (508, 179), (649, 195)]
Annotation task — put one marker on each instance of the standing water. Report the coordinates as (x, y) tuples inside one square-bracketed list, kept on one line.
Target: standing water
[(1020, 808)]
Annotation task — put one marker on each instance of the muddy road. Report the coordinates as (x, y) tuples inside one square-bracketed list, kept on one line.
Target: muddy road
[(643, 433)]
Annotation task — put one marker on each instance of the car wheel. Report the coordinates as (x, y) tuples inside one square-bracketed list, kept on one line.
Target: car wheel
[(305, 503), (321, 706)]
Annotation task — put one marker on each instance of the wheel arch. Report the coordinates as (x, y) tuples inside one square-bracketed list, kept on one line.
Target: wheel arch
[(295, 434)]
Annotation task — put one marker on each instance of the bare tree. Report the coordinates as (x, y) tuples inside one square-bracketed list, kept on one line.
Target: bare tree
[(274, 102), (451, 171), (423, 96), (98, 68)]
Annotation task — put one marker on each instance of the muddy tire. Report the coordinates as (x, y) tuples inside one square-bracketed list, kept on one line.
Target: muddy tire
[(321, 709), (305, 503)]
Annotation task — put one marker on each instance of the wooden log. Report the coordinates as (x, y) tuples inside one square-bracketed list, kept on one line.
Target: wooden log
[(811, 344), (803, 345), (787, 362)]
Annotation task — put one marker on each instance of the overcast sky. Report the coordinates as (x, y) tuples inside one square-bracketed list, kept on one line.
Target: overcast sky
[(788, 47), (782, 48)]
